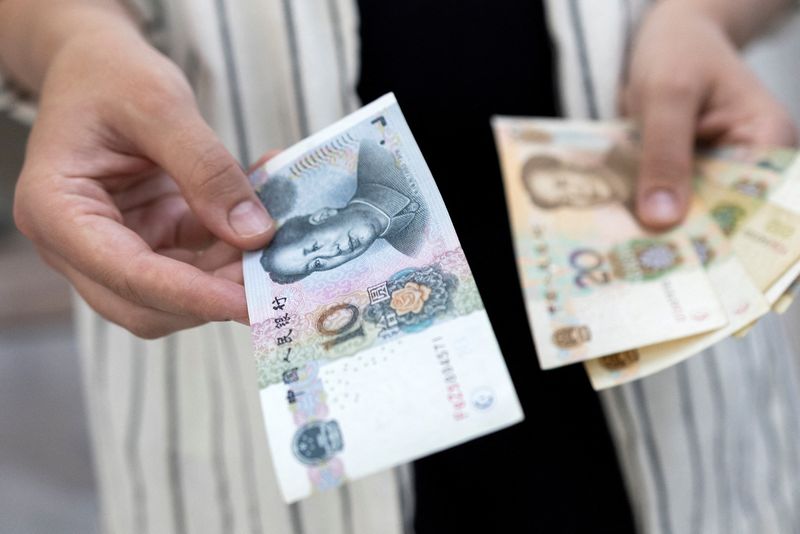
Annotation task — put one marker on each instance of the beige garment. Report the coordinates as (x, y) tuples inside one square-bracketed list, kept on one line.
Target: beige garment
[(707, 447), (176, 423)]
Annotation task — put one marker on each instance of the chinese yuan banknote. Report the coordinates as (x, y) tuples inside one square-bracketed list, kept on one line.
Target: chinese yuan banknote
[(741, 299), (372, 344), (595, 283), (751, 196), (758, 209)]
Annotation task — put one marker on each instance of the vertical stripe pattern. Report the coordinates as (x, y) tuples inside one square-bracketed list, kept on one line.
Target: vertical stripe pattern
[(576, 20), (243, 429), (232, 76), (173, 422), (662, 508), (132, 456), (297, 77), (217, 429), (684, 436), (719, 443), (698, 489), (341, 62)]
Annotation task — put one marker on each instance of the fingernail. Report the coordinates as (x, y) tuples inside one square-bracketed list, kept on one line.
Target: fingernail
[(661, 205), (248, 219)]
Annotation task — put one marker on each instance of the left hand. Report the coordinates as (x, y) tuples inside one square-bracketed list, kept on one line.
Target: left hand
[(687, 83)]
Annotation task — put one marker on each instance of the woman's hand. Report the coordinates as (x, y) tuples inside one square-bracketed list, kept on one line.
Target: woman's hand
[(128, 192), (688, 83)]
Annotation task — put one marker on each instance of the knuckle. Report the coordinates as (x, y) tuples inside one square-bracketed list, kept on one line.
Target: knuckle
[(211, 176), (196, 285), (160, 96), (128, 284)]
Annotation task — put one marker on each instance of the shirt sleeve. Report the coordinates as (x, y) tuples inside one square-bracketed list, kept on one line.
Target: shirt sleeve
[(21, 105)]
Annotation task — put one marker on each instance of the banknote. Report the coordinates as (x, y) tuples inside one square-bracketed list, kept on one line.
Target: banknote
[(758, 209), (786, 300), (595, 282), (372, 344), (746, 191), (784, 161), (741, 299), (778, 159)]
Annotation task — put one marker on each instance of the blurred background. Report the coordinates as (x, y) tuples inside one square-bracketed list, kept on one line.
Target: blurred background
[(46, 481)]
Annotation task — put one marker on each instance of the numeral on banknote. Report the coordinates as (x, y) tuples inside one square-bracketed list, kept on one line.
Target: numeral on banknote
[(346, 315), (372, 345), (590, 266)]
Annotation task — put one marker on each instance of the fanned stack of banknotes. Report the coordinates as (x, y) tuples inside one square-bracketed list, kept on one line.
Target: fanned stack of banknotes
[(602, 290), (372, 344)]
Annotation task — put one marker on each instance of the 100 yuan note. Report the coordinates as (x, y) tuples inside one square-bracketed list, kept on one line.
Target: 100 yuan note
[(372, 344), (594, 281)]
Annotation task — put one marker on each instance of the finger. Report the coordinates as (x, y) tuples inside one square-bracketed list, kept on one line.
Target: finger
[(180, 254), (217, 255), (145, 191), (114, 256), (232, 272), (169, 223), (144, 322), (663, 190), (190, 232), (213, 183), (769, 127)]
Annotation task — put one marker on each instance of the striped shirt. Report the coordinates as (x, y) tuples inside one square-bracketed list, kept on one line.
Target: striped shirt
[(708, 446)]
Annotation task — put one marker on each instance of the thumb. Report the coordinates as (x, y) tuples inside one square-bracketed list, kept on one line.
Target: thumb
[(214, 185), (664, 184)]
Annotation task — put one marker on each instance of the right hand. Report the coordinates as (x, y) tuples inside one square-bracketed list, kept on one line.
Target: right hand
[(128, 192), (687, 83)]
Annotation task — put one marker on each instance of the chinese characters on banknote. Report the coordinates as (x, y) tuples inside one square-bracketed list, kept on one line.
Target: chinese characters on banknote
[(601, 289), (372, 344)]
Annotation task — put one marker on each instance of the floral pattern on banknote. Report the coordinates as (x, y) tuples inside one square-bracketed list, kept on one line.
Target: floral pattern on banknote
[(408, 301), (414, 298), (644, 259), (360, 255), (363, 304)]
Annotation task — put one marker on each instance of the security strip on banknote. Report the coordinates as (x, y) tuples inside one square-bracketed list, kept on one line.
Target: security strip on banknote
[(372, 344), (595, 282)]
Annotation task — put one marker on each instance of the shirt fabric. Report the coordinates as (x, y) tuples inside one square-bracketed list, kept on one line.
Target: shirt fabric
[(708, 446)]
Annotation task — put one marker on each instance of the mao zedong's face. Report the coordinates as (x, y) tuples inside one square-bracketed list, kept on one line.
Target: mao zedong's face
[(568, 187), (321, 241)]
